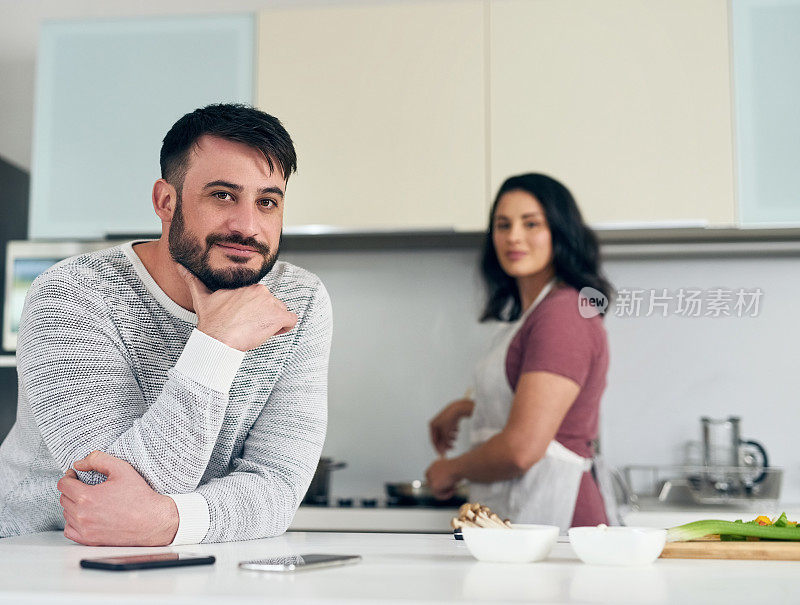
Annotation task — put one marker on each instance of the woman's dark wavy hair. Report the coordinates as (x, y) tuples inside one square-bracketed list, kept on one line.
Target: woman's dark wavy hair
[(576, 253)]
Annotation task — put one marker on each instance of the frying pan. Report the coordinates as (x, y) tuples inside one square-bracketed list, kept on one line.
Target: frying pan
[(417, 493)]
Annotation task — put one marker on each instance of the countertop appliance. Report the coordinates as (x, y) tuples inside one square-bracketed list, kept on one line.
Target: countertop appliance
[(406, 507), (404, 494)]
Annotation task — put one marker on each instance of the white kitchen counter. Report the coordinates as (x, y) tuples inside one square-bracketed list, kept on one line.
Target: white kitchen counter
[(418, 568), (383, 519), (437, 520)]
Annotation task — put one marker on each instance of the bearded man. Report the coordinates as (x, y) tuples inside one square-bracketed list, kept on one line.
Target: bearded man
[(175, 391)]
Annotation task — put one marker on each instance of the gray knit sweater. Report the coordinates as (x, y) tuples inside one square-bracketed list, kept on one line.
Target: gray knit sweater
[(107, 361)]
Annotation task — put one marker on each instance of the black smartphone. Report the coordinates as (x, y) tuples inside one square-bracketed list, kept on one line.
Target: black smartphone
[(151, 561)]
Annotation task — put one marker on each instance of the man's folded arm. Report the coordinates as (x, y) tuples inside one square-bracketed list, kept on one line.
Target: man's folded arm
[(267, 482), (76, 376)]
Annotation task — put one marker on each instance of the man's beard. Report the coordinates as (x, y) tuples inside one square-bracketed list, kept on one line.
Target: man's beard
[(188, 251)]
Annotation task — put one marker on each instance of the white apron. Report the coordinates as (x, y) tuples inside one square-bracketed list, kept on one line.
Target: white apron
[(547, 492)]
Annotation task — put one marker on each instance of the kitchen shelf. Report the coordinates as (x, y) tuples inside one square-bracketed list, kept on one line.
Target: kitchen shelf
[(615, 243), (699, 242), (642, 243), (8, 361)]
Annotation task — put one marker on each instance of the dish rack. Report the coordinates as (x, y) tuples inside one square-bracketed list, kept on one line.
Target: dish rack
[(734, 487)]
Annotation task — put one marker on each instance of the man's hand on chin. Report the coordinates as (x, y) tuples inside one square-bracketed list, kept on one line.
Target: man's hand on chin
[(122, 511)]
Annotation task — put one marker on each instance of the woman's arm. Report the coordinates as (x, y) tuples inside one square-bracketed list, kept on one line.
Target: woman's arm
[(444, 426), (541, 401)]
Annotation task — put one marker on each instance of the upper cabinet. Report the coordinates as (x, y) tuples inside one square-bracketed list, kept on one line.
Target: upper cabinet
[(387, 108), (627, 102), (106, 94), (766, 50), (408, 116)]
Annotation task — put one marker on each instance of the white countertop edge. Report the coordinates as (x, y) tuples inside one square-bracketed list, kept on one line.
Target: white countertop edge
[(392, 519)]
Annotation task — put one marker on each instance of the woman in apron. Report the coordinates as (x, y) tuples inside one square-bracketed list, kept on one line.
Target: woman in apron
[(535, 399)]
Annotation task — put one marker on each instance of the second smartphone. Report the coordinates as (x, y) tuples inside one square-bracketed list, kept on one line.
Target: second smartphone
[(299, 562)]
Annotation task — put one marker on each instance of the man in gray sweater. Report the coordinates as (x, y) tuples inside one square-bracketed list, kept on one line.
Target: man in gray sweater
[(183, 379)]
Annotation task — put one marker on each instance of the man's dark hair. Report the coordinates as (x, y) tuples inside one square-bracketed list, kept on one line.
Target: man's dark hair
[(576, 252), (234, 122)]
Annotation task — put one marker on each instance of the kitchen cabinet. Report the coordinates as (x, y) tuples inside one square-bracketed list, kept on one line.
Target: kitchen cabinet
[(627, 102), (767, 92), (408, 116), (106, 94), (387, 107)]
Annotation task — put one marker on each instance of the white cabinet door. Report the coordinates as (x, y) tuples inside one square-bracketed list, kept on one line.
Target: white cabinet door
[(107, 92), (386, 105), (766, 52), (628, 102)]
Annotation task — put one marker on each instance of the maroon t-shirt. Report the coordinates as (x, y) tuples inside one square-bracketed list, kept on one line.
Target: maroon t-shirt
[(556, 338)]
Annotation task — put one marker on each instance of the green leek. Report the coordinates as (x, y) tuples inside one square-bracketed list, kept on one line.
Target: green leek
[(700, 529), (782, 521)]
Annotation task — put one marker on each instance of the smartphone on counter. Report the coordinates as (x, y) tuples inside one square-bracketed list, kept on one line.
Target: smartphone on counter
[(299, 562), (151, 561)]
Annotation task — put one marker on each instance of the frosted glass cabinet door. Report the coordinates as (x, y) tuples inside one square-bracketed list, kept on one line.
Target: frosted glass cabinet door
[(627, 101), (386, 104), (766, 55), (107, 92)]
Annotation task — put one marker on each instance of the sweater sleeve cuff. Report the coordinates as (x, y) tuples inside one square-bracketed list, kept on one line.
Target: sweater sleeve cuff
[(209, 362), (193, 518)]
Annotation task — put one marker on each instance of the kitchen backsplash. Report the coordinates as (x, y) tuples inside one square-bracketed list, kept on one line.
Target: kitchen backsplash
[(406, 337)]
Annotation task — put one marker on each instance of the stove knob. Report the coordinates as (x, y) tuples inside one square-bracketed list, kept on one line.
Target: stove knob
[(345, 502), (369, 502)]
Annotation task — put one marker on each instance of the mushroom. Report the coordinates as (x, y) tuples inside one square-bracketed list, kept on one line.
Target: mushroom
[(473, 514)]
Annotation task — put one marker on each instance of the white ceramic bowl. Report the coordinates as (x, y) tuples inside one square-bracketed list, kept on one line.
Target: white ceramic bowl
[(617, 545), (522, 544)]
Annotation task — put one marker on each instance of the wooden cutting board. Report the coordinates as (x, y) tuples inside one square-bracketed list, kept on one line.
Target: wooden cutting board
[(715, 549)]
